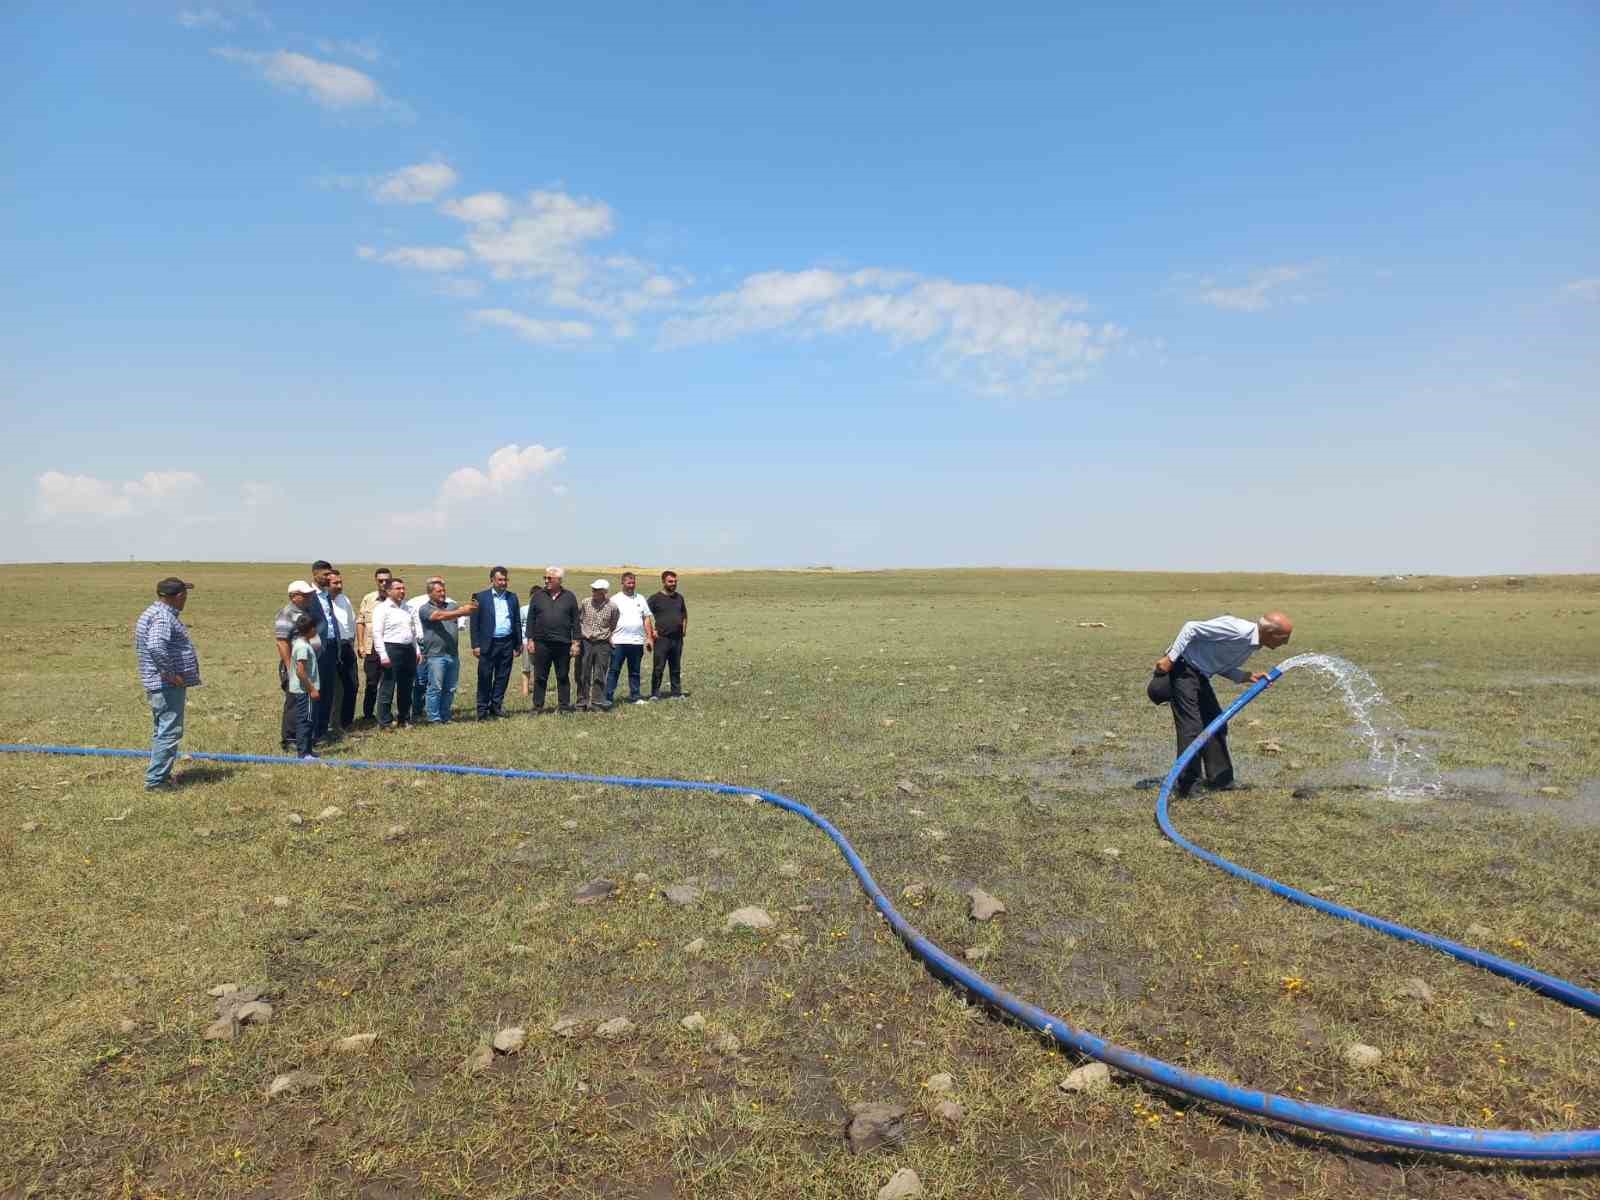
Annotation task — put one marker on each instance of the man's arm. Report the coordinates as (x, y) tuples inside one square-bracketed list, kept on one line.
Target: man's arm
[(379, 646), (683, 631), (650, 630)]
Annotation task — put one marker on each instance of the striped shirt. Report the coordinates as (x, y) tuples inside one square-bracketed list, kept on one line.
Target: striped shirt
[(161, 643)]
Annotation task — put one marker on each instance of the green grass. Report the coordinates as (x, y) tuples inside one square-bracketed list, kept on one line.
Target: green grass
[(978, 688)]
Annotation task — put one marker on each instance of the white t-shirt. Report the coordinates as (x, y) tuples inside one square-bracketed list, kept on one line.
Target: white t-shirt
[(631, 610)]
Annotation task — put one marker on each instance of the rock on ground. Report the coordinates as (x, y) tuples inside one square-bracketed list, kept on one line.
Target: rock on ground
[(904, 1184), (566, 1026), (1478, 932), (330, 813), (984, 906), (975, 954), (940, 1083), (682, 894), (510, 1040), (695, 1022), (1361, 1056), (749, 917), (1416, 989), (614, 1030), (356, 1043), (914, 893), (695, 947), (873, 1124), (950, 1112), (727, 1043), (594, 891), (480, 1059), (1093, 1077), (294, 1081)]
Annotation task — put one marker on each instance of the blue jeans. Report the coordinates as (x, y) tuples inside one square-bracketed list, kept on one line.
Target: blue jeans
[(305, 721), (633, 656), (443, 672), (166, 712)]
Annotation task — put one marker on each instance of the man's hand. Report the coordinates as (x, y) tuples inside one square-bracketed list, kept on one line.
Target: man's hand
[(172, 680), (574, 649), (1255, 677), (314, 694), (385, 663), (475, 652), (1163, 665)]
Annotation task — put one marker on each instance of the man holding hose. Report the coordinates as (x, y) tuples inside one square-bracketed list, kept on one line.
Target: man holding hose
[(1183, 678)]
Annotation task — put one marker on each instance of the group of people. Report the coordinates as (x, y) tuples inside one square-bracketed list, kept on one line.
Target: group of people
[(410, 649)]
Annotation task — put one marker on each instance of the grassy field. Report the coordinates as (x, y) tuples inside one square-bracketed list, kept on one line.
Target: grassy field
[(963, 729)]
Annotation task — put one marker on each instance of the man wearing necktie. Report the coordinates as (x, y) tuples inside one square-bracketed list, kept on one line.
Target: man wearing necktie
[(496, 636), (328, 654)]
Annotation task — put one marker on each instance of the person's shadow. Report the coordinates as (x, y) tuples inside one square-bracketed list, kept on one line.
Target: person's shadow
[(203, 773)]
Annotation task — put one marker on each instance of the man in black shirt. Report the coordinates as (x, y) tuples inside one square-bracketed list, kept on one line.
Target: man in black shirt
[(551, 627), (671, 615)]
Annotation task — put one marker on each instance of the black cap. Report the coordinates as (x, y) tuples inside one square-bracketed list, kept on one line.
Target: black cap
[(173, 586)]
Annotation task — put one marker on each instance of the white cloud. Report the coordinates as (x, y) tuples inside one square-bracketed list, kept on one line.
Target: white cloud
[(59, 495), (484, 206), (420, 183), (1257, 294), (535, 329), (329, 84), (418, 258), (507, 472), (1583, 289), (541, 238)]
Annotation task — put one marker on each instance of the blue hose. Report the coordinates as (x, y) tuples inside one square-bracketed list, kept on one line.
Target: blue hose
[(1444, 1139)]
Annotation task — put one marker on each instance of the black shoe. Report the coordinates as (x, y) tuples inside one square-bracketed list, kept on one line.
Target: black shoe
[(679, 696), (603, 706), (655, 696), (566, 708)]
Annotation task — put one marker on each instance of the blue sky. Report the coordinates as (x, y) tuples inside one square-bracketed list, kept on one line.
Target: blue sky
[(746, 285)]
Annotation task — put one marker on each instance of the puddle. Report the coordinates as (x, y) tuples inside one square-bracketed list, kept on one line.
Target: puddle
[(1497, 788)]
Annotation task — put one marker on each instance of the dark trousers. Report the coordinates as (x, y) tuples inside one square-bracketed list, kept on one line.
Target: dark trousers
[(373, 666), (668, 653), (303, 721), (494, 672), (545, 656), (347, 684), (1194, 706), (594, 660), (394, 687), (633, 656), (289, 724), (328, 672)]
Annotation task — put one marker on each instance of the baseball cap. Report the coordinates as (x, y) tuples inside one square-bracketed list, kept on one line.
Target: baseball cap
[(173, 586), (601, 584), (300, 585)]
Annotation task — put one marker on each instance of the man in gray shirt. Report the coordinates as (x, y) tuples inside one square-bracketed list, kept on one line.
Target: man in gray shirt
[(597, 620), (1183, 678), (441, 652)]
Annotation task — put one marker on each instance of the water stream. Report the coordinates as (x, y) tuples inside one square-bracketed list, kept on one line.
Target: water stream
[(1405, 768)]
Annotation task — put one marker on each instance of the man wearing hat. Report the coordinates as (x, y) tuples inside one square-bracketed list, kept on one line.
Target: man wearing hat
[(168, 668), (300, 601), (597, 619)]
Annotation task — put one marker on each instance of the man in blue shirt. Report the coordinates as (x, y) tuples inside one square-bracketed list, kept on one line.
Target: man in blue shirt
[(168, 668), (496, 634), (1182, 677)]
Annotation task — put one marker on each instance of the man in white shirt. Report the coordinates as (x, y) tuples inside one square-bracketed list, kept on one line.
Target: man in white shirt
[(395, 634), (635, 630), (1182, 677), (344, 704)]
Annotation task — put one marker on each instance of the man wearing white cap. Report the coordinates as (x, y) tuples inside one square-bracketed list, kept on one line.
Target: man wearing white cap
[(596, 621), (300, 594)]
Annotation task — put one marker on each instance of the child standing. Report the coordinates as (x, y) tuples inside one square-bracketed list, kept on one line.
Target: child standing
[(304, 682)]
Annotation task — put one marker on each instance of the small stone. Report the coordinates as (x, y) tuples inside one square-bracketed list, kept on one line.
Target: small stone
[(614, 1030), (1270, 747), (1108, 735), (789, 870), (394, 833), (695, 1022), (569, 826), (751, 799), (1361, 1056), (480, 1059), (256, 1012), (1484, 1020), (1416, 989), (1479, 933), (914, 893), (118, 819), (1110, 852), (749, 917), (294, 1081), (904, 1184), (887, 722), (791, 941), (984, 906), (1296, 765), (295, 818), (934, 835), (518, 950), (1549, 791), (951, 1113), (280, 902), (1093, 1077), (802, 908), (940, 1083), (330, 813), (874, 1124), (223, 1029), (222, 989), (640, 878), (126, 1026), (1253, 723), (726, 1043), (540, 908), (419, 783), (975, 953), (356, 1043), (906, 786), (696, 947), (566, 1027), (202, 833), (682, 894), (594, 891), (510, 1040), (30, 827)]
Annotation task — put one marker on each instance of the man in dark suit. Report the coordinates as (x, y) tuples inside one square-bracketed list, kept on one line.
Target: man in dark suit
[(496, 637), (329, 653)]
